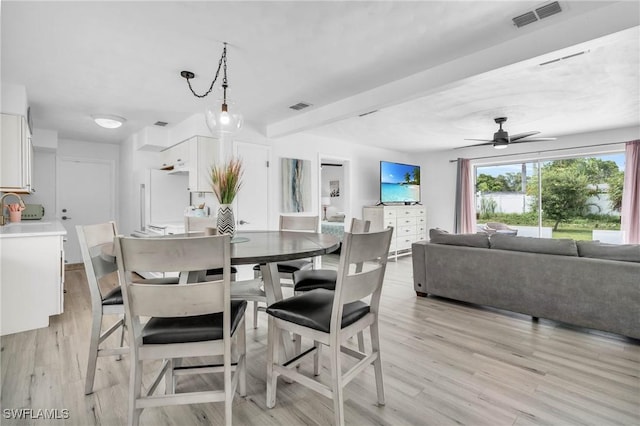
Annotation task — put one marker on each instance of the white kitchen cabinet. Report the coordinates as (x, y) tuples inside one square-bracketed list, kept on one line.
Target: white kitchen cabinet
[(409, 225), (203, 153), (16, 154), (176, 157), (195, 156), (32, 275)]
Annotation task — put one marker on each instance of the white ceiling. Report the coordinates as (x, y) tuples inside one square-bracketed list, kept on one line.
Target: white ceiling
[(124, 58)]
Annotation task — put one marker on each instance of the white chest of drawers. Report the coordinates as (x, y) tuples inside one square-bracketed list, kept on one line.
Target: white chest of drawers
[(409, 225)]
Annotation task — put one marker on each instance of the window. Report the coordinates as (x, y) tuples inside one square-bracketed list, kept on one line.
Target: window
[(576, 198)]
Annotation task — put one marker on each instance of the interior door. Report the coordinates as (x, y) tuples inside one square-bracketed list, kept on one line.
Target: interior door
[(252, 202), (86, 195)]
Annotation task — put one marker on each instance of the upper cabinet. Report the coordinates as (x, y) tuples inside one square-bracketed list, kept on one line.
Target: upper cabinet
[(203, 153), (194, 156), (16, 156)]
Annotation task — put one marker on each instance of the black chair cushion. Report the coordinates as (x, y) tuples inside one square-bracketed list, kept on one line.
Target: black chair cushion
[(290, 266), (218, 271), (316, 278), (114, 297), (313, 309), (197, 328)]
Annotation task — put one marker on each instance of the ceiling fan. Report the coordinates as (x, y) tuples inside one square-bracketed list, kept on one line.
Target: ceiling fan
[(501, 138)]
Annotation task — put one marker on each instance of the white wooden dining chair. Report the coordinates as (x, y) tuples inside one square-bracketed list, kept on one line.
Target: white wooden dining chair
[(92, 238), (311, 279), (250, 290), (296, 224), (331, 317), (197, 319)]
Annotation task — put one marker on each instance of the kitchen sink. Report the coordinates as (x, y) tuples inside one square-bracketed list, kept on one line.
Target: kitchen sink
[(28, 223)]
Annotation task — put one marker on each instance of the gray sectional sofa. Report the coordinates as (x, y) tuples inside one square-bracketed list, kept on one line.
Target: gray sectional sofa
[(588, 284)]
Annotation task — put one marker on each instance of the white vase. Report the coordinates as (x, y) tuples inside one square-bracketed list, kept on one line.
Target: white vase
[(226, 223)]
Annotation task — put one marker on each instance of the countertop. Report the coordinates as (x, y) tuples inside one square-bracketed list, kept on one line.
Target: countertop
[(32, 228)]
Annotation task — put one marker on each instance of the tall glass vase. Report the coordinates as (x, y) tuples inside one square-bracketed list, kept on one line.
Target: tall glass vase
[(226, 223)]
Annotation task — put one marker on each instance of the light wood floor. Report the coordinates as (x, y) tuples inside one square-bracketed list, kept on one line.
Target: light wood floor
[(444, 363)]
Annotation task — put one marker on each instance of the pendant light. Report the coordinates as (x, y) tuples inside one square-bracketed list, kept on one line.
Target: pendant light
[(220, 119)]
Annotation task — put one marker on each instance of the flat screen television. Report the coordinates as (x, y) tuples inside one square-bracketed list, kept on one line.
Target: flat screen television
[(399, 183)]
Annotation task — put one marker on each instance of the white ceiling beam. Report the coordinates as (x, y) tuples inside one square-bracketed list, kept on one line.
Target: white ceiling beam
[(549, 38)]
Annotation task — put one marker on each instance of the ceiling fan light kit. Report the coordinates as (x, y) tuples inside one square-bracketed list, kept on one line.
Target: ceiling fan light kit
[(219, 119), (502, 140)]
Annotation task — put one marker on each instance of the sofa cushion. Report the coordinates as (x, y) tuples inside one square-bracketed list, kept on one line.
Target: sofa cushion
[(559, 246), (622, 252), (439, 236)]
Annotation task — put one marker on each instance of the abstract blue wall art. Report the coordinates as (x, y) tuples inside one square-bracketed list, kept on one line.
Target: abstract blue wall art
[(296, 185)]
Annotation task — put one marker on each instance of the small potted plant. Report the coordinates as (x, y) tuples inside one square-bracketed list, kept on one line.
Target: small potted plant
[(226, 181)]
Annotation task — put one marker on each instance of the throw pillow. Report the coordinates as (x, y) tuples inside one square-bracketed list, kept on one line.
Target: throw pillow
[(621, 252), (560, 246), (439, 236)]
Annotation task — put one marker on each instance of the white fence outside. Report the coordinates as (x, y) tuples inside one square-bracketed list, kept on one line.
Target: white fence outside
[(514, 202)]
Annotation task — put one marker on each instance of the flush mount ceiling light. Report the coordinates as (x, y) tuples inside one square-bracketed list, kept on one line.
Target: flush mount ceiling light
[(219, 119), (108, 121)]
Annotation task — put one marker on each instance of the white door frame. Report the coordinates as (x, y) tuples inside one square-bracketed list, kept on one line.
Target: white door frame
[(346, 190)]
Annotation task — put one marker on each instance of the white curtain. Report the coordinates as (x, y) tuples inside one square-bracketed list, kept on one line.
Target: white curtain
[(465, 218), (631, 194)]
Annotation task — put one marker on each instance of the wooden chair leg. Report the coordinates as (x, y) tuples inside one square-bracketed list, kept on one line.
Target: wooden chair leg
[(124, 329), (273, 343), (228, 397), (242, 365), (377, 364), (255, 315), (135, 388), (336, 384), (94, 344), (361, 341), (317, 358)]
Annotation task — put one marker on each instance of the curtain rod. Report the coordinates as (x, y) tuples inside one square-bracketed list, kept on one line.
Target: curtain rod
[(533, 152)]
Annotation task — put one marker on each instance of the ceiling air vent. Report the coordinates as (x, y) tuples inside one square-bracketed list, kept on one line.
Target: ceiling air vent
[(526, 19), (300, 105), (540, 13), (160, 123), (548, 10)]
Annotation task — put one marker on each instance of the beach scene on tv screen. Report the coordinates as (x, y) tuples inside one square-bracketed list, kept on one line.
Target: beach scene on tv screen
[(399, 183)]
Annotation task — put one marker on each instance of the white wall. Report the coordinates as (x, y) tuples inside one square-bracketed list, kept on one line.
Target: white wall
[(13, 99), (44, 181), (439, 175)]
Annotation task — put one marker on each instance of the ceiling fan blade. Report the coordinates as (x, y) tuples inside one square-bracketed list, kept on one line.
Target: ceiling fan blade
[(480, 140), (471, 146), (533, 140), (523, 135)]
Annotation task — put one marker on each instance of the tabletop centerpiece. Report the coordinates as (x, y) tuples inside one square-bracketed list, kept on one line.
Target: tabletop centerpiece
[(226, 181)]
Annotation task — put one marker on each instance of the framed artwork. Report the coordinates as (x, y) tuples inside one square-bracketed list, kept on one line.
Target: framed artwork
[(334, 188), (296, 185)]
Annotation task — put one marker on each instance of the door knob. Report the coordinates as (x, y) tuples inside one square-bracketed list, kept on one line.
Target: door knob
[(243, 222), (65, 218)]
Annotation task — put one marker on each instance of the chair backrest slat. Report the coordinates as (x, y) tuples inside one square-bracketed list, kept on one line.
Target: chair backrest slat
[(360, 285), (169, 254), (367, 247), (359, 226), (157, 300), (299, 223)]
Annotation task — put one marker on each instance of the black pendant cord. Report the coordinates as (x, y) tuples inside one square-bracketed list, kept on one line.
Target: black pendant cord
[(188, 75)]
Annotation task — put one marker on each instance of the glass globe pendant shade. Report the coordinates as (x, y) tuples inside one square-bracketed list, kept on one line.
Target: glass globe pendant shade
[(221, 119)]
